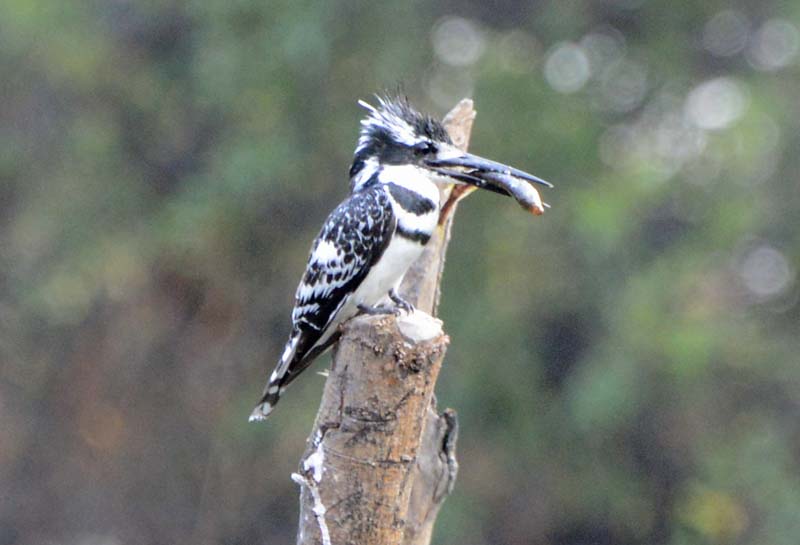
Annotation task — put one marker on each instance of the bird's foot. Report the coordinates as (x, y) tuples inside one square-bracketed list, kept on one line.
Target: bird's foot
[(400, 303), (378, 310), (400, 306)]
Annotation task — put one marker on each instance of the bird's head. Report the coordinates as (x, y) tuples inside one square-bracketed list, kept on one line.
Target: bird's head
[(395, 134)]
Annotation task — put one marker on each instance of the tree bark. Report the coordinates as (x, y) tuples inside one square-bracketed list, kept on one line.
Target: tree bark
[(381, 460)]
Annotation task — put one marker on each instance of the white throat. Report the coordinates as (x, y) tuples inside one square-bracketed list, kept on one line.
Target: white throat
[(413, 178)]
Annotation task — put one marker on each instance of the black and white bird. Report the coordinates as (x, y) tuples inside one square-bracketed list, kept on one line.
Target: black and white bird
[(371, 239)]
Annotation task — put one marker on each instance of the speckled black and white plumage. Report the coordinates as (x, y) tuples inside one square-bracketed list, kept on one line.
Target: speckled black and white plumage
[(370, 240), (353, 240)]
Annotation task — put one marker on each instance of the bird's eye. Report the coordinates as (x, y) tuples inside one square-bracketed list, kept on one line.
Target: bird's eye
[(424, 148)]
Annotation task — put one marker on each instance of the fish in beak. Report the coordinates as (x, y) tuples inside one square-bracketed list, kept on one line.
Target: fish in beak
[(483, 173)]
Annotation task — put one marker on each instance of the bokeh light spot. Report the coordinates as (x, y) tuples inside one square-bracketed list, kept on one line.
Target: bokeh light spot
[(567, 67), (726, 33), (716, 104), (458, 41), (715, 514), (623, 86), (766, 272), (446, 86), (774, 46), (603, 47)]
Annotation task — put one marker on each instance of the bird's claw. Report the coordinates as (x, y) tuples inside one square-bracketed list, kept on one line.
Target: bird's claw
[(376, 310), (401, 304)]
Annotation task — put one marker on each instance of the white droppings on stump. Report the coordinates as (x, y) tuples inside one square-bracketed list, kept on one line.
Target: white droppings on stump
[(316, 462), (419, 326)]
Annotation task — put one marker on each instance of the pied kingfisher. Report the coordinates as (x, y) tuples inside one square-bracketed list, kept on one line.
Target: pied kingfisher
[(371, 239)]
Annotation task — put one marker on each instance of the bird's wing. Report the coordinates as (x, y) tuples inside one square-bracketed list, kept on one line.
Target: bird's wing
[(353, 238)]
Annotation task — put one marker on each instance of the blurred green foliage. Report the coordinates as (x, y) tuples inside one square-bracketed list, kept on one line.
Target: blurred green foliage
[(625, 367)]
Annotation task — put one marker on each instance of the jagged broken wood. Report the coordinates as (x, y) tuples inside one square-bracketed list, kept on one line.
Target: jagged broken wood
[(381, 459)]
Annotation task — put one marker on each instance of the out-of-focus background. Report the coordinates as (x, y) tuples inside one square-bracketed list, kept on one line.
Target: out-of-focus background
[(626, 367)]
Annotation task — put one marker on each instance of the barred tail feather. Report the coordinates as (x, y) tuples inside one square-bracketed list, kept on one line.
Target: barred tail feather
[(262, 410), (274, 388), (301, 350)]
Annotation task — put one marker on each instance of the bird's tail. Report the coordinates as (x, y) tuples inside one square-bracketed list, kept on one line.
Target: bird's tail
[(277, 380)]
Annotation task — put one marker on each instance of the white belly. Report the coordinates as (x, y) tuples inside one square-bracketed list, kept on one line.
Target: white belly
[(388, 272), (385, 275), (398, 256)]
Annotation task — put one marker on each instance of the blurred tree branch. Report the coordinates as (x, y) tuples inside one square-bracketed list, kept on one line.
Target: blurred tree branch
[(380, 460)]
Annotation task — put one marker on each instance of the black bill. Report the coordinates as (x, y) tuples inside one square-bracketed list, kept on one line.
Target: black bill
[(496, 177), (478, 165)]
